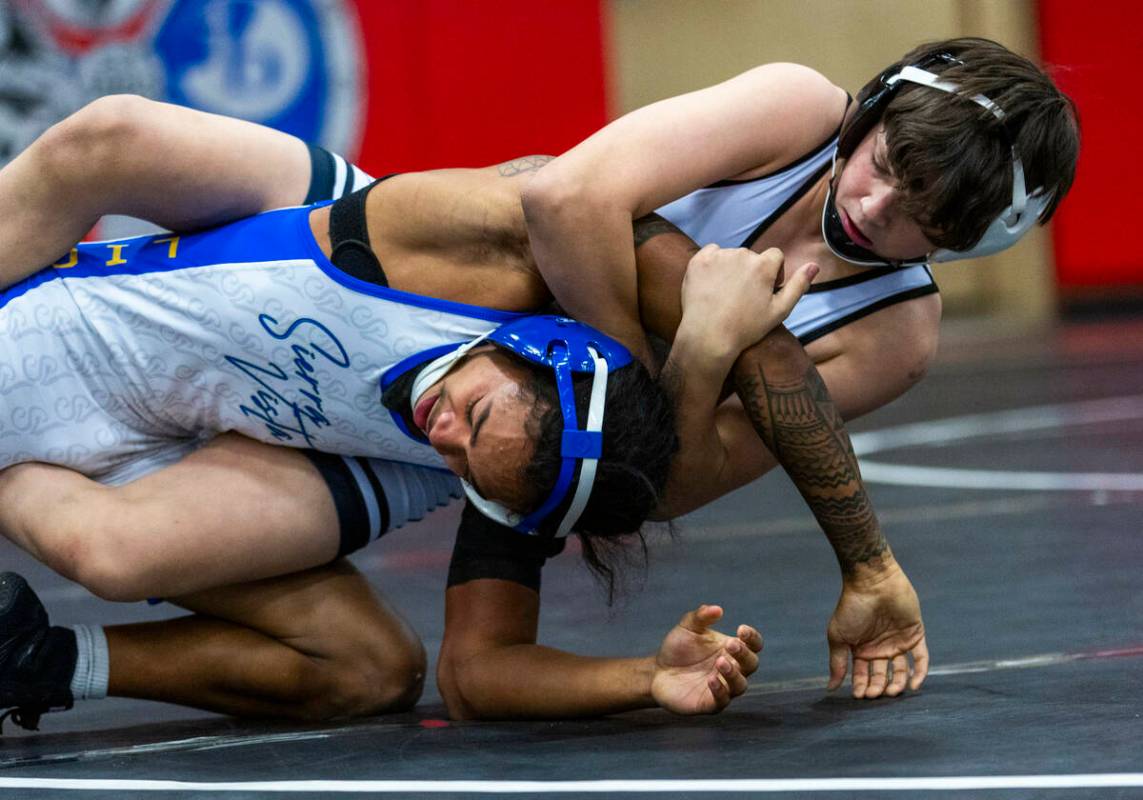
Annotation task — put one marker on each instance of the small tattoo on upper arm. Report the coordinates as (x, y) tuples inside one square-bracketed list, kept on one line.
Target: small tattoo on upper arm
[(652, 225), (518, 166)]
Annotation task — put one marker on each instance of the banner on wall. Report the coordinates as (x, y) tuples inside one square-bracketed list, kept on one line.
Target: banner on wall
[(1094, 51), (295, 65), (395, 84)]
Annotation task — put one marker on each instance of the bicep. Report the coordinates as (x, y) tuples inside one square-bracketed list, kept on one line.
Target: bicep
[(757, 120)]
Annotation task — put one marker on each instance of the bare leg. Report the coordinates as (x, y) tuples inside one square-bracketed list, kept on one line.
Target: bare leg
[(316, 645), (177, 167), (235, 511)]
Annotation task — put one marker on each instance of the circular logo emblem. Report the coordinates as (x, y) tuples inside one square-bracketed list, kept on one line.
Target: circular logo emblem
[(294, 65)]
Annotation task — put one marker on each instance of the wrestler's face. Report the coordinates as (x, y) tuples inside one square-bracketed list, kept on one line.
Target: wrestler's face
[(867, 199), (475, 417)]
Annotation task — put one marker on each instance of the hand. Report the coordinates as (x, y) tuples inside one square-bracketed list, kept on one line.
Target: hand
[(729, 299), (698, 670), (878, 620)]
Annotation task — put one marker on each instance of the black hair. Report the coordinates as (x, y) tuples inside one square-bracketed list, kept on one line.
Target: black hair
[(639, 442)]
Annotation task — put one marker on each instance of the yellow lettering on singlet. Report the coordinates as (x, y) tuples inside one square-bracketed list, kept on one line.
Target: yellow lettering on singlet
[(116, 255), (71, 261), (173, 245)]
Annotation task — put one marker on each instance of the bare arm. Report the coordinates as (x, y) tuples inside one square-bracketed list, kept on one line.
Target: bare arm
[(579, 208), (490, 666), (177, 167)]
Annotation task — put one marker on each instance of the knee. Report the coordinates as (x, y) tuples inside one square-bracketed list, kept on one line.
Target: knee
[(366, 682), (76, 147), (106, 552)]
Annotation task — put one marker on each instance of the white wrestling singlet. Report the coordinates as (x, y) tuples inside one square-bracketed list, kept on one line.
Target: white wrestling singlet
[(128, 354)]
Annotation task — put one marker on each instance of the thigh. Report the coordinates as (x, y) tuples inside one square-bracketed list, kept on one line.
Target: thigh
[(235, 510), (326, 611), (361, 656)]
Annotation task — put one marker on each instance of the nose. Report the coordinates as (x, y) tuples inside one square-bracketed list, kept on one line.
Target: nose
[(880, 203), (448, 436)]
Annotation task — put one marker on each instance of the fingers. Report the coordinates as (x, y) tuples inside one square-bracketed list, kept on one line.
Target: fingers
[(860, 677), (920, 664), (899, 667), (744, 652), (878, 678), (701, 618), (719, 690), (838, 664), (792, 290), (730, 671)]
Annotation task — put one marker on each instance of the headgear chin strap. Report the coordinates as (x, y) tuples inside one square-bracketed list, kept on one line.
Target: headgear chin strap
[(566, 347), (1004, 231)]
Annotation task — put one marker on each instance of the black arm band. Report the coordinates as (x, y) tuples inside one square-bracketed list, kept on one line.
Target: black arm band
[(486, 549)]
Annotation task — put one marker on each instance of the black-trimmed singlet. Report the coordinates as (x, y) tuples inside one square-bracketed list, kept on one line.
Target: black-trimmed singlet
[(737, 213)]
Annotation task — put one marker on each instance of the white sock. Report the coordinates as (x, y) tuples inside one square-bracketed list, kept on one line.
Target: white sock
[(92, 663)]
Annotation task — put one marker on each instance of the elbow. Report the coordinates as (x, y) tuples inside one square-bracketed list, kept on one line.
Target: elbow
[(549, 194), (779, 353), (451, 683)]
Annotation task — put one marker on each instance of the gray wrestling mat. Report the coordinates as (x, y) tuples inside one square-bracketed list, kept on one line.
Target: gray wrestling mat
[(1012, 494)]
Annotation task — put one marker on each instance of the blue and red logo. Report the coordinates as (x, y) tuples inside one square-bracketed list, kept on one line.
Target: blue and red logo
[(295, 65)]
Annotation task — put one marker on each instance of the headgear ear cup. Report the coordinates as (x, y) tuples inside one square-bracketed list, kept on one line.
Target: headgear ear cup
[(565, 347), (868, 108), (1009, 226)]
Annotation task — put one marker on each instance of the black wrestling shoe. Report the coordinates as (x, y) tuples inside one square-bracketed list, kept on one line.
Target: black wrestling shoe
[(36, 661)]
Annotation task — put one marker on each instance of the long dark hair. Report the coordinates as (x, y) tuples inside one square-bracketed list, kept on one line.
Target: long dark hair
[(639, 441)]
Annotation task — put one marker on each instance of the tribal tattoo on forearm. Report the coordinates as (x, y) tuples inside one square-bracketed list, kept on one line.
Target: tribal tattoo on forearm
[(521, 165), (798, 422)]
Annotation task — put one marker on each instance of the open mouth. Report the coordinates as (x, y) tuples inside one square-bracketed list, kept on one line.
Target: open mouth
[(854, 232), (424, 410)]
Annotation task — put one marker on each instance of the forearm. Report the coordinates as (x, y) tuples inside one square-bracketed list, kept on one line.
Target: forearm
[(536, 682), (695, 377), (584, 251), (793, 414)]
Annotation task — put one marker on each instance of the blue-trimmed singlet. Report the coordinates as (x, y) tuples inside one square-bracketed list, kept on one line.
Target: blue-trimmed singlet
[(128, 354)]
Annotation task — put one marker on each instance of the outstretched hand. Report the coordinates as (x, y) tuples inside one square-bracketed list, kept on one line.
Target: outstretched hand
[(699, 670), (879, 623)]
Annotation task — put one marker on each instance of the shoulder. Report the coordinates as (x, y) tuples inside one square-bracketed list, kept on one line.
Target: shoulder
[(874, 360), (803, 89), (799, 107)]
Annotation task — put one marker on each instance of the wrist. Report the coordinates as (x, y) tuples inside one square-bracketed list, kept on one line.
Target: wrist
[(870, 574), (643, 675), (701, 351)]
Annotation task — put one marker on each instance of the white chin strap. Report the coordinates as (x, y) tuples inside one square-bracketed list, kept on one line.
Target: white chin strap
[(505, 516), (439, 367)]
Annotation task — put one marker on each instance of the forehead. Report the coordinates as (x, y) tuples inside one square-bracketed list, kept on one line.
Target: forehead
[(502, 415)]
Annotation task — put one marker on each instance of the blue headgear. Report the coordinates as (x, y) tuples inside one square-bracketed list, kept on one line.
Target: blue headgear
[(566, 347), (1004, 231)]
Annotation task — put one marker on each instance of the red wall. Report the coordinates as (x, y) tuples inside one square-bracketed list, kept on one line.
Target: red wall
[(1098, 47), (471, 82)]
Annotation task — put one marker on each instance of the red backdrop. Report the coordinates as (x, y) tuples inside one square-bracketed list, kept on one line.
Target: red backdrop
[(1098, 48), (471, 82)]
